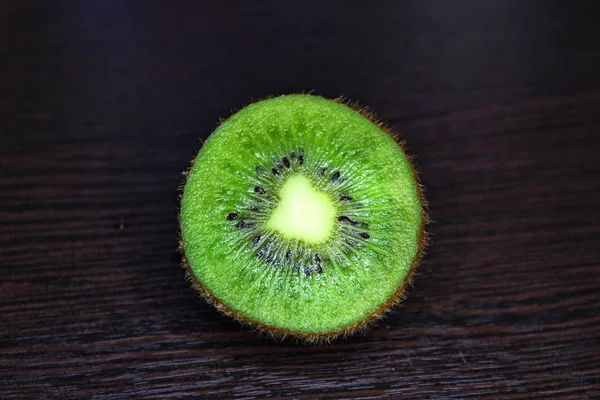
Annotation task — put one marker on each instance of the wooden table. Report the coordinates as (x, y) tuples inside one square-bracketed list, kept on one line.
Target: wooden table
[(103, 104)]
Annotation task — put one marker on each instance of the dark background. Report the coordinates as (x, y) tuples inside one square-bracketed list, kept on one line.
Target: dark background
[(103, 104)]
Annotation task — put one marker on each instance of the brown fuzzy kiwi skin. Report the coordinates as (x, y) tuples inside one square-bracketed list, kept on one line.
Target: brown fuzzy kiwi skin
[(280, 334)]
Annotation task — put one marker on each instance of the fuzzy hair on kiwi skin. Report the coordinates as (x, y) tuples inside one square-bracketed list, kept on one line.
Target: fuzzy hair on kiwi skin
[(280, 334)]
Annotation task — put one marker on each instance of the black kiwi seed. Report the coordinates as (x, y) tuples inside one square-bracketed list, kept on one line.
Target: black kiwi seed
[(364, 235), (319, 269), (335, 176), (269, 258), (293, 155), (351, 242), (317, 257), (286, 162), (275, 172), (323, 171), (288, 255), (346, 220), (231, 216), (240, 225), (256, 239), (300, 159), (307, 271), (345, 198), (259, 190), (260, 171)]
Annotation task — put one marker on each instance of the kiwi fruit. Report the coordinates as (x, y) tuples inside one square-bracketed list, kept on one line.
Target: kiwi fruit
[(303, 217)]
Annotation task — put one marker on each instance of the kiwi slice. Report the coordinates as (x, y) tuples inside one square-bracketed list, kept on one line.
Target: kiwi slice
[(301, 216)]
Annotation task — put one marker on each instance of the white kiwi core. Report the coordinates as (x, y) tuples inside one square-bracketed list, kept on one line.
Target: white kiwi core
[(303, 212)]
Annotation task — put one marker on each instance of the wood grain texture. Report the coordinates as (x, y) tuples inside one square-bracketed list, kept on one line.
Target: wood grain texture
[(102, 105)]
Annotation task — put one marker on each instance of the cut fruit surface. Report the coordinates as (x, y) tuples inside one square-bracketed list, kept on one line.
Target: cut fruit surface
[(301, 216)]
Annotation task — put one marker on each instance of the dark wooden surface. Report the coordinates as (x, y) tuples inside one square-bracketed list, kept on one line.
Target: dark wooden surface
[(102, 104)]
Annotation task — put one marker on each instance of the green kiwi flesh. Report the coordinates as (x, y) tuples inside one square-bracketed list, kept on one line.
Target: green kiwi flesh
[(301, 216)]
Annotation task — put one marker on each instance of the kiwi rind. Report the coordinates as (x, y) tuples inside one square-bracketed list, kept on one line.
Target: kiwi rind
[(321, 337)]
